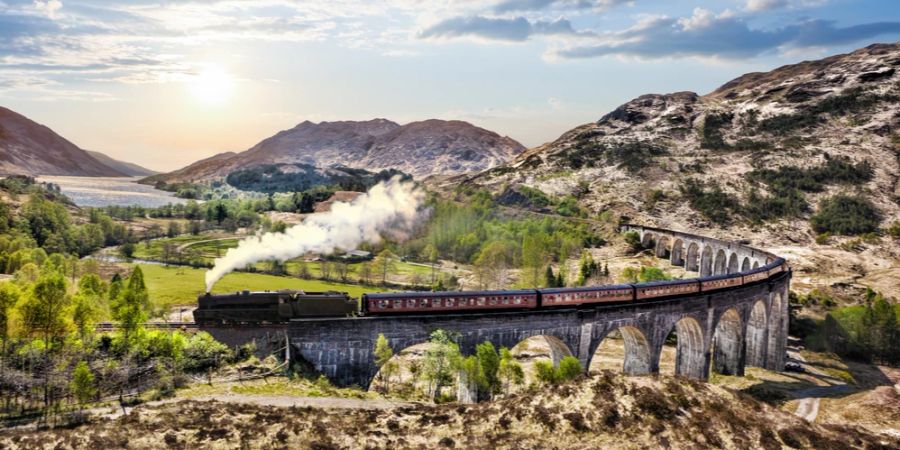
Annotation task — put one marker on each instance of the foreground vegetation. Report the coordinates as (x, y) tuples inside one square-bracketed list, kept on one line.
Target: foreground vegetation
[(606, 411)]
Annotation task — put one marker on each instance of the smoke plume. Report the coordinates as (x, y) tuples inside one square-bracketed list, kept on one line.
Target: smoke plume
[(390, 206)]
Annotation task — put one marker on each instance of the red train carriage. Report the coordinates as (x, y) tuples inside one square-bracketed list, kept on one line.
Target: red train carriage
[(658, 289), (777, 267), (720, 282), (755, 275), (422, 302), (586, 295)]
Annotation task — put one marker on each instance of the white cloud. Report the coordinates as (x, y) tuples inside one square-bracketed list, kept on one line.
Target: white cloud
[(48, 8), (765, 5)]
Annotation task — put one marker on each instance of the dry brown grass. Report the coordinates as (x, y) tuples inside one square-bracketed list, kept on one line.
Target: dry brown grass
[(606, 411)]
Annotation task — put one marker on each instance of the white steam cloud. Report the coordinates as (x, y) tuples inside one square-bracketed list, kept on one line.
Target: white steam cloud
[(390, 206)]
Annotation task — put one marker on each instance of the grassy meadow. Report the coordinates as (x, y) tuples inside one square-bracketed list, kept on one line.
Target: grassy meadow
[(171, 286)]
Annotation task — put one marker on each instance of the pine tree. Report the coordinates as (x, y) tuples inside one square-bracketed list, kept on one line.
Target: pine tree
[(549, 278)]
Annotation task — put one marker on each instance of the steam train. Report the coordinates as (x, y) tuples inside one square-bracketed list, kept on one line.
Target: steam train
[(281, 306)]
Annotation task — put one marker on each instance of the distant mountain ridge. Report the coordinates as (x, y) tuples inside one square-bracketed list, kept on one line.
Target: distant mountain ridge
[(130, 169), (29, 148), (419, 148)]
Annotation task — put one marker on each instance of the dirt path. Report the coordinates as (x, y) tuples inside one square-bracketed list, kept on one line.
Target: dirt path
[(809, 399), (188, 244)]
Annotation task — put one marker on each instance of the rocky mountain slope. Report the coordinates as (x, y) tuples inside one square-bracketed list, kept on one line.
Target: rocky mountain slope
[(130, 169), (606, 411), (29, 148), (752, 159), (418, 148)]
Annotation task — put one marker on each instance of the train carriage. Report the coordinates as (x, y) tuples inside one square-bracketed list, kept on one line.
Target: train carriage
[(755, 275), (422, 302), (659, 289), (551, 297), (720, 282)]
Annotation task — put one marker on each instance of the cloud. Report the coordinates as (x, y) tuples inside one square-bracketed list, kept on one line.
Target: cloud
[(48, 8), (496, 29), (764, 5), (507, 6), (724, 36)]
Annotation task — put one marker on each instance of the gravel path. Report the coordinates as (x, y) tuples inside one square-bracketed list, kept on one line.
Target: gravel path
[(808, 406)]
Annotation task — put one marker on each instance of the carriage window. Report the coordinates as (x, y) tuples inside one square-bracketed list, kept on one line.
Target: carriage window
[(382, 304), (518, 300), (398, 303), (482, 301), (423, 303), (411, 303), (505, 300), (493, 300)]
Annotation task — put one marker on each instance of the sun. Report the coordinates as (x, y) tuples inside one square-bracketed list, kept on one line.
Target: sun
[(211, 86)]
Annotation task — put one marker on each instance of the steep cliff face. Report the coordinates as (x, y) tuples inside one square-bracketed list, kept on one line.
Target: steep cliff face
[(29, 148), (419, 148), (834, 121)]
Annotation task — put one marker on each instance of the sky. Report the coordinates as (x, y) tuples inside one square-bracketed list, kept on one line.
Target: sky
[(165, 83)]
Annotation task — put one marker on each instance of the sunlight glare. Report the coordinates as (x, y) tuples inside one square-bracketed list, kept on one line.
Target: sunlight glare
[(211, 86)]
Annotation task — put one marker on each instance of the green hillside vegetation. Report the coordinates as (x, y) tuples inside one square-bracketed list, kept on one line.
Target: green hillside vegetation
[(273, 178)]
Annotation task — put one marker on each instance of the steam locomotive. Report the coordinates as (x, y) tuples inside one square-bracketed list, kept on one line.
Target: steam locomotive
[(280, 306)]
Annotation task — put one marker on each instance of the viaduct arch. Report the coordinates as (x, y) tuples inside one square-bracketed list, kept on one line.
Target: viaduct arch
[(723, 330)]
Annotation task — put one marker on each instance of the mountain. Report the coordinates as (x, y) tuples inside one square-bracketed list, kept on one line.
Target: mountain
[(754, 159), (29, 148), (130, 169), (419, 148)]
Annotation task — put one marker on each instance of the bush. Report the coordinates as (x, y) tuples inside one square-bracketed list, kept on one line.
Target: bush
[(714, 204), (894, 230), (846, 215)]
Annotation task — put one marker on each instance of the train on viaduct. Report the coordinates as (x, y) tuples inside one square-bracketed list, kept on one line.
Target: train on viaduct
[(737, 315)]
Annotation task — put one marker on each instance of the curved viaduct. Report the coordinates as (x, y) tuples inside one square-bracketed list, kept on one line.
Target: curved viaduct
[(726, 330)]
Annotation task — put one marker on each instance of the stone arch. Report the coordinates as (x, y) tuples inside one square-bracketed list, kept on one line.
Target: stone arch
[(401, 362), (728, 345), (635, 351), (556, 348), (678, 253), (733, 263), (745, 265), (690, 350), (662, 248), (692, 263), (648, 240), (706, 261), (755, 340), (721, 262), (777, 330), (756, 264)]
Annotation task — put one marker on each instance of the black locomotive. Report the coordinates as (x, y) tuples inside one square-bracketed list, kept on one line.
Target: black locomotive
[(271, 306)]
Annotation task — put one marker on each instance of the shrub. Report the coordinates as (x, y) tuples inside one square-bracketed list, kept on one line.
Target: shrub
[(846, 215), (894, 230), (713, 203)]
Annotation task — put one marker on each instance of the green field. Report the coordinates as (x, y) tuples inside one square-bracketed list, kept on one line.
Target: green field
[(170, 286)]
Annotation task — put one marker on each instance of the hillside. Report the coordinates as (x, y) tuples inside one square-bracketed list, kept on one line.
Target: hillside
[(130, 169), (418, 148), (29, 148), (607, 411), (753, 159)]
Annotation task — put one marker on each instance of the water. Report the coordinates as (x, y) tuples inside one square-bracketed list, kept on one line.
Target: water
[(106, 191)]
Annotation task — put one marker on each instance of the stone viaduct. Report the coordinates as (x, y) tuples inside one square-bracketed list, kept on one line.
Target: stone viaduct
[(724, 330)]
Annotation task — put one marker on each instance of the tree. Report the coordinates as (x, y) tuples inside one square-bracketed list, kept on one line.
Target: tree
[(544, 371), (489, 361), (173, 229), (127, 250), (130, 309), (303, 271), (42, 311), (325, 268), (9, 296), (431, 254), (82, 384), (535, 257), (509, 370), (85, 312), (342, 269), (549, 278), (441, 358), (386, 263), (365, 273), (383, 354), (493, 262)]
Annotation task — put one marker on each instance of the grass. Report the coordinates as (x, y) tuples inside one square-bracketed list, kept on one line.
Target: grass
[(275, 386), (170, 286)]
